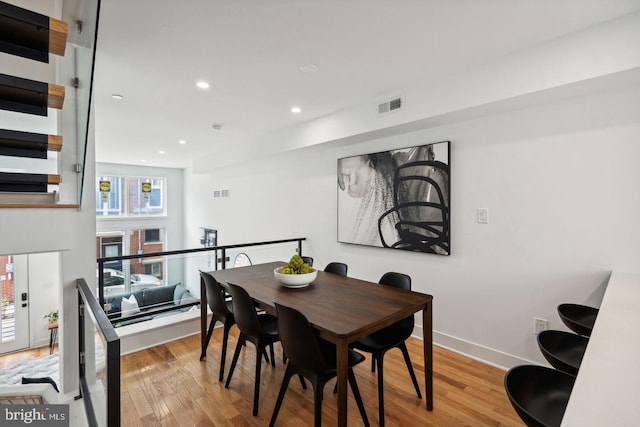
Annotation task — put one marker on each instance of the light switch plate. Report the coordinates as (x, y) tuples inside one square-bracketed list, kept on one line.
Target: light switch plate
[(483, 215)]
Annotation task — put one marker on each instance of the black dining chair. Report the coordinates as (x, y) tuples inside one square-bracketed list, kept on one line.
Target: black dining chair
[(222, 310), (261, 330), (563, 350), (336, 268), (579, 318), (538, 394), (393, 336), (312, 358), (308, 260)]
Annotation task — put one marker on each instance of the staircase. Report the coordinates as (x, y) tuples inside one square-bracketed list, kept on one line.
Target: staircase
[(30, 35)]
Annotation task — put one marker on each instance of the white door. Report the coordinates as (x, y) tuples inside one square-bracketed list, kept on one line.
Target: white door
[(14, 325)]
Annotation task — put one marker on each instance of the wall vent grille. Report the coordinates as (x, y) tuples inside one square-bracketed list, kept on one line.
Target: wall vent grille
[(220, 194), (388, 106)]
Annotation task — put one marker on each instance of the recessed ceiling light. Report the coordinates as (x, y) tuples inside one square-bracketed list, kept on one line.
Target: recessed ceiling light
[(143, 161), (296, 110), (161, 152), (117, 96), (308, 68), (182, 141), (203, 85)]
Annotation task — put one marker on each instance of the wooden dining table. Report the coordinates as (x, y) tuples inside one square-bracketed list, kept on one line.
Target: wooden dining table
[(341, 309)]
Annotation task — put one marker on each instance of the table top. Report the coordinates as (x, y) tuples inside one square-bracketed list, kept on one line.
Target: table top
[(339, 307), (609, 377)]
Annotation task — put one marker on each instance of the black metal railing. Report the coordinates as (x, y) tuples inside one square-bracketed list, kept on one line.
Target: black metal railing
[(220, 253), (99, 361)]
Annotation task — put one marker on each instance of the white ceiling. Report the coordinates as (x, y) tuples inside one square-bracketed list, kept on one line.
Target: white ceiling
[(250, 51)]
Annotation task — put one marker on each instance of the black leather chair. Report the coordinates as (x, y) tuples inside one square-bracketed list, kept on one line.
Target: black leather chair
[(563, 350), (222, 312), (308, 260), (538, 394), (337, 268), (393, 336), (312, 358), (579, 318), (261, 330)]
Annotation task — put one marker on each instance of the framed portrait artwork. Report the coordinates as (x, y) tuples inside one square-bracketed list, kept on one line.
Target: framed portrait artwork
[(396, 199)]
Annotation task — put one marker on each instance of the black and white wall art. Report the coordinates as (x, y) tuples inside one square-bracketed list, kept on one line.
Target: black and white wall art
[(396, 199)]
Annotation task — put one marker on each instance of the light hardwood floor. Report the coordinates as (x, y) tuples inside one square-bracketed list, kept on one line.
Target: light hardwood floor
[(167, 385)]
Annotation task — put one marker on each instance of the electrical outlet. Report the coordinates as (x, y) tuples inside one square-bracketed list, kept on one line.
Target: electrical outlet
[(482, 215), (540, 325)]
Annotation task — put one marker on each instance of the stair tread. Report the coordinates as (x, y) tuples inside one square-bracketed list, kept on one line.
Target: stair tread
[(18, 200), (30, 34), (29, 96)]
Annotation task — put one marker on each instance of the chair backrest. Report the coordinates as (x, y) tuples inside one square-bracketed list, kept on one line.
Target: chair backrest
[(244, 311), (215, 294), (577, 317), (337, 268), (563, 350), (397, 280), (299, 340), (538, 394), (401, 281), (308, 260)]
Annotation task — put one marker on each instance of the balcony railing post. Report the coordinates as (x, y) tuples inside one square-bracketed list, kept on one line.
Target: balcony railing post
[(224, 258), (101, 282)]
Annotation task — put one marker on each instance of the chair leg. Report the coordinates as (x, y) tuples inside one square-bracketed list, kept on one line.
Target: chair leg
[(207, 339), (407, 360), (380, 359), (302, 382), (317, 403), (283, 390), (236, 354), (356, 394), (373, 362), (256, 387), (273, 357), (223, 356)]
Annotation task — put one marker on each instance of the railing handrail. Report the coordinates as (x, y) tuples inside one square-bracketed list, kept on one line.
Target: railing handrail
[(222, 248), (196, 250)]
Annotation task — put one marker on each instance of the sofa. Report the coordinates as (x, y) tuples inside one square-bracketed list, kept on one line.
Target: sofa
[(148, 300)]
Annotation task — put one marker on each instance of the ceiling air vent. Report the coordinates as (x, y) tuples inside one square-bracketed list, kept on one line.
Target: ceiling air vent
[(386, 107)]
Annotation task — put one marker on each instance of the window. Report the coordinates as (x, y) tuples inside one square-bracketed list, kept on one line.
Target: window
[(130, 196), (146, 196), (152, 235), (109, 200), (137, 273), (154, 269)]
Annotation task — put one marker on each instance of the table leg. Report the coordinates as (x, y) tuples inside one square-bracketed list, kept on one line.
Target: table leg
[(203, 319), (343, 368), (52, 340), (427, 342)]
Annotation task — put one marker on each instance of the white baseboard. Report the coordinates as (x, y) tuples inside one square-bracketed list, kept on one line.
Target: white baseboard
[(475, 351)]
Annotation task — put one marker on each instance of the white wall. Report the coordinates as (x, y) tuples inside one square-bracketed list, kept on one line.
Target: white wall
[(560, 183)]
